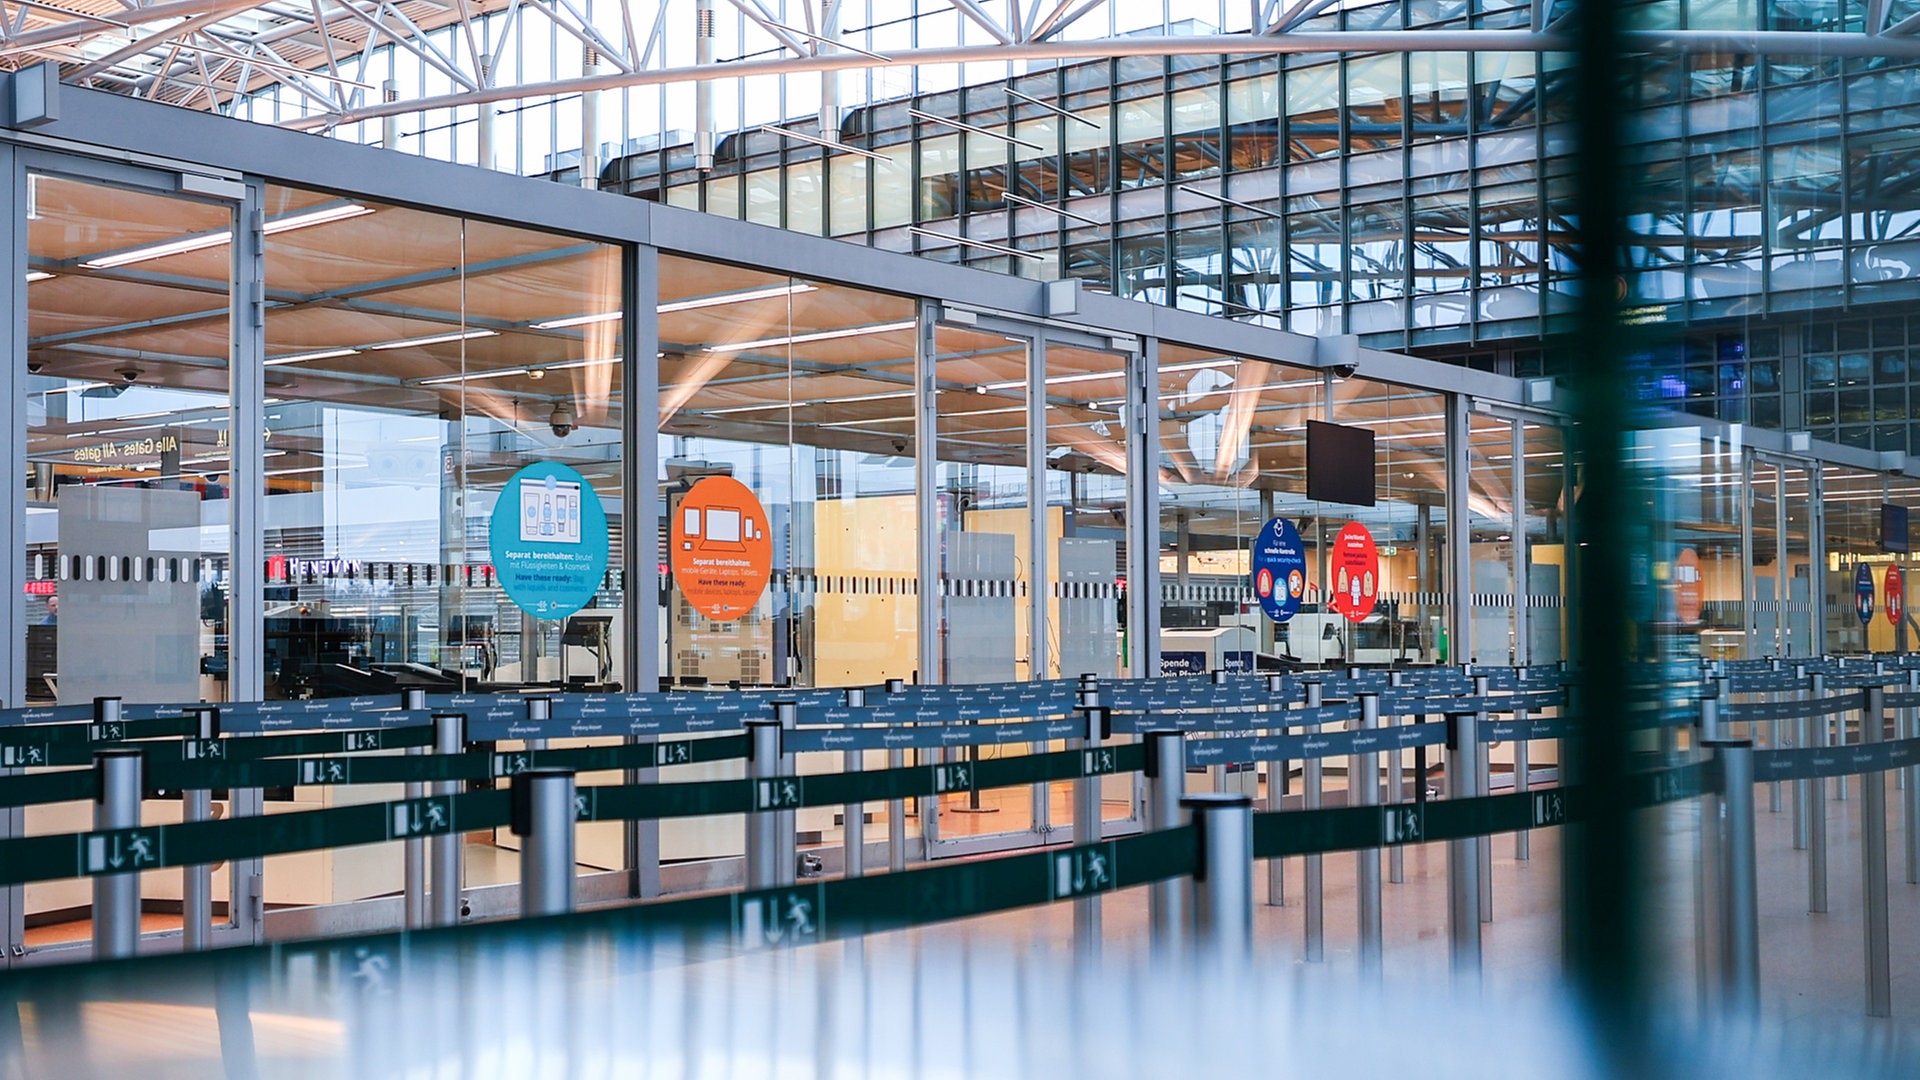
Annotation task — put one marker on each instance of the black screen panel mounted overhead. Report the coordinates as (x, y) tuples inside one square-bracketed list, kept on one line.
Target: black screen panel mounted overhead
[(1893, 528), (1340, 467)]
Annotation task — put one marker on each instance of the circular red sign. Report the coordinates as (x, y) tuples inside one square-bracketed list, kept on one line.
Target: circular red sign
[(1896, 596), (1354, 565)]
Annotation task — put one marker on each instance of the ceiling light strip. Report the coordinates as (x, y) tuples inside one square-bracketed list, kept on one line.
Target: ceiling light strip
[(803, 339)]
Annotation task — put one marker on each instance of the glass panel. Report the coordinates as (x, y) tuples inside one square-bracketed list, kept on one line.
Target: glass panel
[(127, 432)]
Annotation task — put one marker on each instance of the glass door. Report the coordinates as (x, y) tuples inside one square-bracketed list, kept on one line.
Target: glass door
[(128, 363)]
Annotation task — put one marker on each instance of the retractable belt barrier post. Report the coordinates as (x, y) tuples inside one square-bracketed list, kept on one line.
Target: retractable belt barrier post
[(764, 854), (1363, 787), (1277, 800), (414, 850), (1911, 794), (854, 827), (1777, 738), (1728, 819), (1802, 788), (1483, 773), (449, 737), (788, 714), (539, 713), (1313, 873), (1816, 806), (116, 814), (1166, 786), (196, 882), (1522, 840), (543, 817), (1873, 861), (1223, 881), (896, 809), (1396, 792), (1087, 813), (1463, 855)]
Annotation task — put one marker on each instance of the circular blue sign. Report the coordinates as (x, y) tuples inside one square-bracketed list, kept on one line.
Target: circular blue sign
[(548, 540), (1279, 569), (1863, 593)]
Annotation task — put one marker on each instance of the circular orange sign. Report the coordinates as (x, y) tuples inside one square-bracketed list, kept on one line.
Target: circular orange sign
[(721, 548)]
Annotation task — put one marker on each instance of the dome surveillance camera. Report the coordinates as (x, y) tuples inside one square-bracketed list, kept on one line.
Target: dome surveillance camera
[(561, 420), (899, 446), (129, 375), (35, 367), (1344, 371)]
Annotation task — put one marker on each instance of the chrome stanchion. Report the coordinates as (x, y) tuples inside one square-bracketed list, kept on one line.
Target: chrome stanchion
[(1484, 774), (449, 737), (1817, 813), (853, 831), (1730, 820), (896, 808), (1396, 791), (1522, 839), (1087, 826), (414, 848), (118, 776), (1873, 861), (196, 884), (764, 854), (539, 714), (1777, 740), (1276, 801), (543, 817), (1363, 788), (1463, 855), (1166, 786), (1223, 885), (788, 714), (1802, 789), (1911, 796), (1313, 874)]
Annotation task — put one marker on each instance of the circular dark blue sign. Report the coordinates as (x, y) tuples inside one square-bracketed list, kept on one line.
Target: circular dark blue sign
[(1279, 569), (1863, 593)]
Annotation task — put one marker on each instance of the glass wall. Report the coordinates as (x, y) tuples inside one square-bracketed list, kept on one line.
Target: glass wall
[(786, 441), (416, 363), (129, 348)]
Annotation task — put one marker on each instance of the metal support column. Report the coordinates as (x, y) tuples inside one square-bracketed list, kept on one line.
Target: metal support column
[(1910, 797), (1166, 786), (447, 856), (118, 776), (640, 518), (196, 885), (543, 816)]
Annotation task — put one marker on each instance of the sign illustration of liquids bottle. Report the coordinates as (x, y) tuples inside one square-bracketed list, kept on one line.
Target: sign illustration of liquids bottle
[(1354, 563), (720, 548), (548, 540)]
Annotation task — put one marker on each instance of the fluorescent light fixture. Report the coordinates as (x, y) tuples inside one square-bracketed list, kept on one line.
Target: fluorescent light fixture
[(37, 275), (1001, 248), (734, 298), (949, 121), (319, 354), (474, 376), (803, 339), (891, 395), (435, 339), (312, 468), (827, 144), (159, 251), (75, 388), (576, 320), (1059, 380), (219, 237), (572, 364), (868, 423), (321, 216)]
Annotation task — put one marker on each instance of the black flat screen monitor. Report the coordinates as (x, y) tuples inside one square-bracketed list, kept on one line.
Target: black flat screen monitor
[(1339, 464), (1893, 528)]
